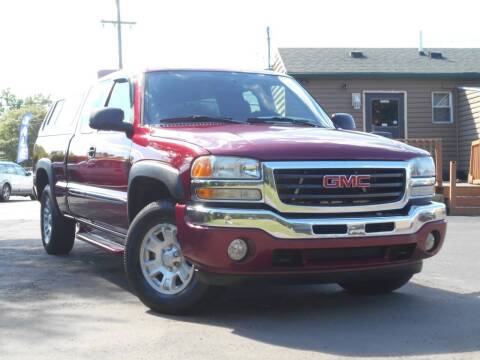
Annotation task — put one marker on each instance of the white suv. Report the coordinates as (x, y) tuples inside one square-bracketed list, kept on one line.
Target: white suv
[(14, 180)]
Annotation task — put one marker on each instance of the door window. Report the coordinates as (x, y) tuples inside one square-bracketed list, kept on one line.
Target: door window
[(3, 169), (120, 98), (20, 171), (54, 116), (63, 116), (96, 98), (10, 169), (385, 113)]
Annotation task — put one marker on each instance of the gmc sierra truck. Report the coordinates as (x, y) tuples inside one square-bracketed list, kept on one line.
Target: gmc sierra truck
[(206, 178)]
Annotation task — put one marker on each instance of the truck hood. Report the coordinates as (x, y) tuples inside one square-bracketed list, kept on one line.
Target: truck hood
[(270, 142)]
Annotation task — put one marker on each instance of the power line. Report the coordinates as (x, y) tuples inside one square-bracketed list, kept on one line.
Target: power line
[(118, 23)]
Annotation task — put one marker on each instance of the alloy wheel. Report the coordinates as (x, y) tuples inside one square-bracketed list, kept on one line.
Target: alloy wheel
[(6, 192), (47, 221), (162, 262)]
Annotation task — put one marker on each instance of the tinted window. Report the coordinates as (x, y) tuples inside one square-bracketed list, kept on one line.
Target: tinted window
[(67, 116), (54, 115), (96, 98), (385, 112), (120, 98), (62, 118), (179, 94)]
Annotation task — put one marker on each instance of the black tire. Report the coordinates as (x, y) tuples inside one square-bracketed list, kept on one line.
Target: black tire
[(376, 286), (60, 239), (186, 300), (5, 192)]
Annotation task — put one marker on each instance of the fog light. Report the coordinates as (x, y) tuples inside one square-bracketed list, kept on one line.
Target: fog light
[(238, 249), (430, 242)]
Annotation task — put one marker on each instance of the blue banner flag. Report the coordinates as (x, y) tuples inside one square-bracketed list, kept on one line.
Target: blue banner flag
[(22, 153)]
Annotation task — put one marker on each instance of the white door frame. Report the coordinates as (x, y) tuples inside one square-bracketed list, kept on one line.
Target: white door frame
[(405, 115)]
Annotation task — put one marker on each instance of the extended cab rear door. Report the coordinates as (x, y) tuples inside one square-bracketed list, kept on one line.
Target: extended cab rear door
[(99, 161)]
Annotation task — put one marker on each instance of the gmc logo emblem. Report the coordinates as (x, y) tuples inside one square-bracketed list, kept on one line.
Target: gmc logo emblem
[(344, 181)]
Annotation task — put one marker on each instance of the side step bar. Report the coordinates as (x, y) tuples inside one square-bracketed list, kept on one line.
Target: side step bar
[(95, 238)]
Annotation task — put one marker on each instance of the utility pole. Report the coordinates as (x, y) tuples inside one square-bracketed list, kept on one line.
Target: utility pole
[(118, 23), (268, 48)]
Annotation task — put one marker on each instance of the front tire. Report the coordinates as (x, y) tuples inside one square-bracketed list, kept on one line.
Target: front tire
[(6, 192), (376, 286), (58, 232), (156, 270)]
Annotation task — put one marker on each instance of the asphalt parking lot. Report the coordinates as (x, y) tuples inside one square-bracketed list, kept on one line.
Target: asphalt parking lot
[(79, 306)]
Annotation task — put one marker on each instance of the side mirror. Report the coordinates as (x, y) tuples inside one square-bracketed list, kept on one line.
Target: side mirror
[(110, 119), (28, 173), (343, 121)]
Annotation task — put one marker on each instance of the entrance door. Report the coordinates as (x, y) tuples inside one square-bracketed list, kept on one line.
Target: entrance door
[(385, 112)]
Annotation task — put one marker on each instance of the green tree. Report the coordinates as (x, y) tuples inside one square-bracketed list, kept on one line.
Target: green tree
[(11, 117), (38, 99), (8, 100)]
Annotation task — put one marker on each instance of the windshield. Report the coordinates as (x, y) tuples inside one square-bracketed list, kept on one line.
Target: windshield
[(183, 94)]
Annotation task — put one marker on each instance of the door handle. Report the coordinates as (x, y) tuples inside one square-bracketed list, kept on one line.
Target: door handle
[(91, 152)]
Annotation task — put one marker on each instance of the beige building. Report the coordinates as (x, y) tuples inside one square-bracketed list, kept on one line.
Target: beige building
[(405, 92)]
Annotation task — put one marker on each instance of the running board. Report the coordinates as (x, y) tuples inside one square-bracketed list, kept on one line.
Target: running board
[(98, 240)]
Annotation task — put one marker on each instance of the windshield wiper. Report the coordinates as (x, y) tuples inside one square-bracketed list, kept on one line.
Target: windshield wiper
[(199, 118), (281, 119)]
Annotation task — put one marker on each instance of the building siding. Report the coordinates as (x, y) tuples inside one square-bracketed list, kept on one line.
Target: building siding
[(468, 113), (335, 95)]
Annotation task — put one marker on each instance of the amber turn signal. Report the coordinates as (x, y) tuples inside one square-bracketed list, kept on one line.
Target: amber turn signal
[(205, 193), (229, 194), (202, 168)]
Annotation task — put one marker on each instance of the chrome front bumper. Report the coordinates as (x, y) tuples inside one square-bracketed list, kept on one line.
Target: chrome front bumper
[(293, 228)]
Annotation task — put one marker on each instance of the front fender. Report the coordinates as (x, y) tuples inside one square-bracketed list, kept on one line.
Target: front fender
[(168, 175)]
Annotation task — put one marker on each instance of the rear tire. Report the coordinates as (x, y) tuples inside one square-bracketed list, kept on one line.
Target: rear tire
[(376, 286), (156, 270), (5, 192), (58, 232)]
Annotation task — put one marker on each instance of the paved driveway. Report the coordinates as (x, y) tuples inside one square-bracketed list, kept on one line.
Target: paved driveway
[(79, 306)]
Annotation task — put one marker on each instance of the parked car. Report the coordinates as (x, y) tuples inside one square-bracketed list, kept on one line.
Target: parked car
[(15, 180), (206, 178)]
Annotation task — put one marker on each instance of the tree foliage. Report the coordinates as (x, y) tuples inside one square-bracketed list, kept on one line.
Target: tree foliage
[(12, 111), (8, 100)]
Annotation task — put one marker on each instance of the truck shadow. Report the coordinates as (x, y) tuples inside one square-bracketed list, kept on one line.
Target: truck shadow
[(417, 320)]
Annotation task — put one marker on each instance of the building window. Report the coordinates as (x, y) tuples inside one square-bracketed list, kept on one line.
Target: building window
[(442, 107)]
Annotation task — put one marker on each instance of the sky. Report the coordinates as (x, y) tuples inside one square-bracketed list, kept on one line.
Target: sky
[(57, 46)]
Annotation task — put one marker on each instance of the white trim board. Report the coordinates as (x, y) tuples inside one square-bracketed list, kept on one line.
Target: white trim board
[(405, 114)]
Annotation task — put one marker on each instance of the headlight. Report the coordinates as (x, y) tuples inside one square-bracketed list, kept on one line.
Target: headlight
[(423, 177), (225, 167), (422, 166)]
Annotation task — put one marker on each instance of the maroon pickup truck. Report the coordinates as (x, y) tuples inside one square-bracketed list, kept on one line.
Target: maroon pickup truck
[(205, 178)]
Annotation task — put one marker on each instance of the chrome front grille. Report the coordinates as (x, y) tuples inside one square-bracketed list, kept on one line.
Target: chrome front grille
[(304, 187)]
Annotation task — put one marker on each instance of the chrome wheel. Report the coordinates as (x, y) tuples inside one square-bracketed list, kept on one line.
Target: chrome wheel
[(47, 221), (162, 262), (6, 192)]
